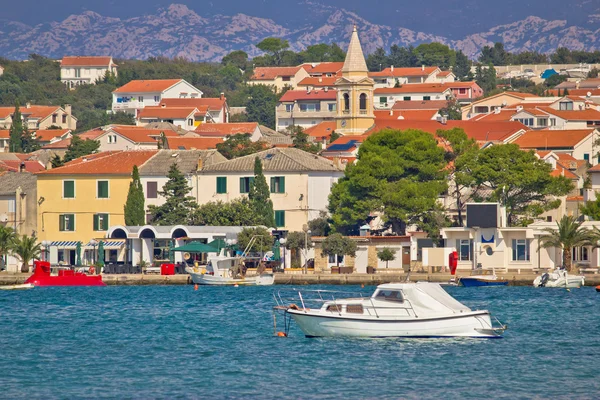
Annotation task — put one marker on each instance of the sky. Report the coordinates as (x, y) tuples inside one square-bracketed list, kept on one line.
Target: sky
[(439, 16)]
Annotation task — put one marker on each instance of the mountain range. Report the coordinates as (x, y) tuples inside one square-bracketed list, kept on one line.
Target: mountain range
[(178, 31)]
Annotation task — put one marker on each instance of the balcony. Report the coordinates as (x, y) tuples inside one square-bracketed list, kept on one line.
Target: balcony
[(128, 105), (323, 112)]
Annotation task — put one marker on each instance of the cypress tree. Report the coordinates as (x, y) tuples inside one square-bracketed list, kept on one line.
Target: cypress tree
[(134, 206), (179, 207), (16, 131), (260, 196)]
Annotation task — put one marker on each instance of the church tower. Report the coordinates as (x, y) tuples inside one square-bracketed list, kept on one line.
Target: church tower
[(354, 92)]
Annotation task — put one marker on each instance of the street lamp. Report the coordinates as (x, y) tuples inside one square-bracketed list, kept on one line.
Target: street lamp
[(282, 243), (306, 235), (94, 242), (46, 248)]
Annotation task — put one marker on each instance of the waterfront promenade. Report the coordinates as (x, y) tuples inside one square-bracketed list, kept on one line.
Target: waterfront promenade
[(301, 279)]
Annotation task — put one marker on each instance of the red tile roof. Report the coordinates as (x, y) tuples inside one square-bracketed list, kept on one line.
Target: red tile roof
[(417, 115), (444, 73), (504, 115), (226, 129), (85, 61), (562, 171), (61, 144), (322, 130), (420, 105), (37, 112), (552, 139), (193, 143), (144, 86), (399, 72), (414, 88), (323, 68), (589, 114), (298, 95), (318, 82), (4, 134), (107, 163), (142, 135), (167, 112), (576, 92), (46, 135), (15, 165), (91, 134), (211, 103), (270, 73)]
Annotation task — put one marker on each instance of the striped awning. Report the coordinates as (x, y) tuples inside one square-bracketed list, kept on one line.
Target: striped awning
[(108, 244), (65, 244)]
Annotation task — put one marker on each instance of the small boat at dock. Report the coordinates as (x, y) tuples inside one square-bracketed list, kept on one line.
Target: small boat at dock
[(23, 286), (228, 271), (559, 278), (482, 280), (420, 309), (43, 277)]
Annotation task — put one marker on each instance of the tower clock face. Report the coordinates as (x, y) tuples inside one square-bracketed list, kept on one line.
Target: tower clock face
[(343, 123)]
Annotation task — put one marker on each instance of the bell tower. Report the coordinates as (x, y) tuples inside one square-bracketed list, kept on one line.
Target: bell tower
[(354, 92)]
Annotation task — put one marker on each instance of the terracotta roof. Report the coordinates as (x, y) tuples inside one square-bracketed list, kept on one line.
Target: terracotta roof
[(298, 95), (417, 115), (61, 144), (140, 134), (15, 165), (504, 115), (322, 130), (552, 139), (166, 112), (225, 129), (444, 73), (414, 88), (324, 68), (420, 105), (37, 112), (150, 85), (91, 134), (399, 72), (560, 170), (88, 61), (318, 82), (270, 73), (193, 143), (212, 103), (574, 115), (575, 198), (4, 134), (577, 92), (46, 135), (107, 163)]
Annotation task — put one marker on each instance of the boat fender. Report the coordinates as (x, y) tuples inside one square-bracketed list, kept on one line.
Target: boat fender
[(293, 307), (281, 334), (545, 277), (92, 270)]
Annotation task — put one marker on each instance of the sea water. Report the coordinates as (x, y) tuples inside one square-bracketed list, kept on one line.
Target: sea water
[(176, 342)]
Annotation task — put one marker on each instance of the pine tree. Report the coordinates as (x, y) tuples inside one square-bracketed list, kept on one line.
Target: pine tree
[(29, 144), (134, 206), (16, 131), (179, 207), (260, 196)]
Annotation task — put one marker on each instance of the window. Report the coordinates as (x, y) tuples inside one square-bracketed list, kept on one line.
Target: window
[(363, 101), (390, 295), (520, 250), (112, 139), (334, 308), (54, 118), (156, 99), (426, 98), (565, 105), (100, 222), (221, 184), (383, 99), (586, 157), (289, 107), (161, 249), (12, 206), (278, 184), (464, 249), (332, 259), (406, 98), (190, 122), (552, 121), (102, 190), (66, 222), (346, 102), (151, 190), (354, 309), (462, 91), (245, 184), (549, 218), (77, 73), (332, 107), (279, 218), (310, 107), (580, 254), (542, 122), (64, 118), (286, 78), (141, 99), (68, 189)]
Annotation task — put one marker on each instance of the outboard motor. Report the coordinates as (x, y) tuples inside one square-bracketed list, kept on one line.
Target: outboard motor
[(545, 277)]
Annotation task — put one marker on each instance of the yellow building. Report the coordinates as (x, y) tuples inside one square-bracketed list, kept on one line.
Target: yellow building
[(354, 92), (81, 200)]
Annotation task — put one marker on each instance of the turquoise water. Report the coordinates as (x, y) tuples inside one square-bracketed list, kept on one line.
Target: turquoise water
[(174, 342)]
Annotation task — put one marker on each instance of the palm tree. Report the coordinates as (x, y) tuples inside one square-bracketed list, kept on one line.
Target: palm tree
[(569, 234), (26, 248), (7, 240)]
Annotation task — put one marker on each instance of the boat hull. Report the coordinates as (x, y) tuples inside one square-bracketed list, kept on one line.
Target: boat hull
[(475, 282), (205, 279), (571, 282), (474, 325), (24, 286), (70, 280)]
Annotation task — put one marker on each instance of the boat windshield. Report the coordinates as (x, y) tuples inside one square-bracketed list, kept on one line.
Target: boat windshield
[(390, 295)]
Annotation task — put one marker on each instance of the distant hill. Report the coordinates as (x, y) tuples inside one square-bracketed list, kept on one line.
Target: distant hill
[(178, 31)]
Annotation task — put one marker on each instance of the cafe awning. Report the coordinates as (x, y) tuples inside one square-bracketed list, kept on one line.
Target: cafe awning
[(196, 247)]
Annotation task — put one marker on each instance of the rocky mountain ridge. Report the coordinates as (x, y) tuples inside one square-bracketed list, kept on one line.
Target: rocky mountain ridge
[(177, 31)]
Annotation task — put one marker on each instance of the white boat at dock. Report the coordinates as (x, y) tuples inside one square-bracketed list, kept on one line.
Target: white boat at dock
[(419, 309), (559, 278), (227, 271), (23, 286)]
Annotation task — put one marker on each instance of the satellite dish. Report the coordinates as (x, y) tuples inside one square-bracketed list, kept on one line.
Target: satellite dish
[(3, 218)]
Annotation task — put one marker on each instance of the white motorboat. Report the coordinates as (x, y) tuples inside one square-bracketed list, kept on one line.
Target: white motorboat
[(23, 286), (224, 270), (559, 278), (420, 309), (580, 71)]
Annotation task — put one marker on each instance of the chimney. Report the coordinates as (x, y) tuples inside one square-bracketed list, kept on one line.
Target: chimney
[(392, 68), (28, 105), (423, 67), (68, 109), (577, 84), (22, 166), (222, 96), (325, 89), (199, 165), (391, 112), (320, 80)]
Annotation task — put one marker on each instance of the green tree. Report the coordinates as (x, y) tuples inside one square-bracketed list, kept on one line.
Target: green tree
[(239, 145), (320, 226), (16, 131), (495, 55), (462, 66), (237, 58), (592, 208), (56, 161), (238, 212), (569, 234), (337, 244), (134, 209), (402, 56), (562, 55), (386, 254), (179, 207), (399, 175), (435, 54), (486, 78), (593, 74), (261, 105), (29, 143), (518, 180), (555, 80), (300, 139), (7, 241), (377, 60), (26, 249), (334, 136), (452, 111), (260, 196), (263, 241), (296, 242), (274, 47), (79, 148)]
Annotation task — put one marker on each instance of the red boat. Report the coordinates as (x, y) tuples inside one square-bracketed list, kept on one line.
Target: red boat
[(598, 288), (41, 277)]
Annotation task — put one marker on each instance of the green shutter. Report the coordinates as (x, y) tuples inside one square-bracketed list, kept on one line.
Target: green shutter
[(96, 222), (103, 189), (69, 189), (221, 184), (282, 184), (61, 223), (243, 185), (280, 218), (273, 183)]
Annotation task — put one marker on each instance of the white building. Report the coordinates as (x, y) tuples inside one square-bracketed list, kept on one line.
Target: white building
[(136, 95), (305, 108), (386, 97), (76, 70)]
